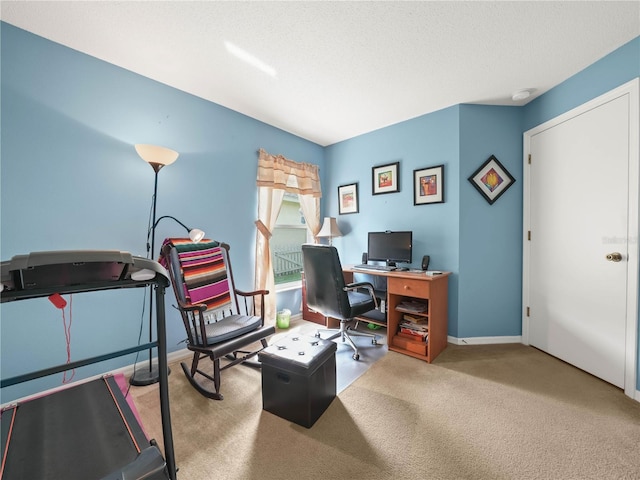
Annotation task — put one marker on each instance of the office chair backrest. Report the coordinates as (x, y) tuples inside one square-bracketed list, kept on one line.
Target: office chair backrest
[(325, 281)]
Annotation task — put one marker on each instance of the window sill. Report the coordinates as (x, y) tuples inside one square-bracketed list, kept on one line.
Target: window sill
[(285, 287)]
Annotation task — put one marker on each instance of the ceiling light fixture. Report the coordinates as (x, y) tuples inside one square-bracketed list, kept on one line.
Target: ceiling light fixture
[(250, 59), (521, 95)]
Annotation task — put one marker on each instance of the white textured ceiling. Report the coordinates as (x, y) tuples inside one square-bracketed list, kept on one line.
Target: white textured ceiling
[(342, 68)]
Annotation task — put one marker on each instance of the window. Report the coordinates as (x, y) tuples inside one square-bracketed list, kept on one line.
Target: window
[(289, 234)]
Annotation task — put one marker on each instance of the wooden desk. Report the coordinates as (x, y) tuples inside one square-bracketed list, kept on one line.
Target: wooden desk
[(404, 286)]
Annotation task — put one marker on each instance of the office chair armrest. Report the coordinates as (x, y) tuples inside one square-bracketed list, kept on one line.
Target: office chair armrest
[(356, 285), (366, 285)]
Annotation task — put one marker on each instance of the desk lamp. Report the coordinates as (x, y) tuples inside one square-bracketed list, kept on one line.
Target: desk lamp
[(329, 229)]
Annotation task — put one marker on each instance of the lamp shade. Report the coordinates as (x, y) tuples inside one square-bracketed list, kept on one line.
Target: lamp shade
[(196, 235), (329, 228), (157, 157)]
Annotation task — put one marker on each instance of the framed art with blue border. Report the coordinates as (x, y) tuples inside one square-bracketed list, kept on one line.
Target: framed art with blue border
[(491, 179)]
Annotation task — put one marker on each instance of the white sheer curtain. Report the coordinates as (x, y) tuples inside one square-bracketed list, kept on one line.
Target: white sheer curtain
[(310, 206), (277, 175)]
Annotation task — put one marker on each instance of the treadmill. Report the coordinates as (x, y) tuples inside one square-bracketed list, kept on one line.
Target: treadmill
[(87, 431)]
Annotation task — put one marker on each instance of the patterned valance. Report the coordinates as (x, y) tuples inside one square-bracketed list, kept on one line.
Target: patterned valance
[(278, 172)]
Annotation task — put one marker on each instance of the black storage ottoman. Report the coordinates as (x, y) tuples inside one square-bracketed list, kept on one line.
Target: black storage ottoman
[(298, 378)]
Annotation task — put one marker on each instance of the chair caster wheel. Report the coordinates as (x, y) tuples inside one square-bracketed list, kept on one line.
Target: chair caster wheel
[(356, 356)]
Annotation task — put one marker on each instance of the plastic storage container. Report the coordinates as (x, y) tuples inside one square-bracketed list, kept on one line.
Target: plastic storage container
[(283, 317)]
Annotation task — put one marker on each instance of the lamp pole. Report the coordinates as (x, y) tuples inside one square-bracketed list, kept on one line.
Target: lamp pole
[(151, 375), (157, 157)]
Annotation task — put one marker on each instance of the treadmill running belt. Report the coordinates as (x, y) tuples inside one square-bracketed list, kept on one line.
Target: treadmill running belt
[(77, 433)]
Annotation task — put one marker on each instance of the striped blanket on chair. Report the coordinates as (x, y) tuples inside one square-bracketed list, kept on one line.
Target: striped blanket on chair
[(204, 272)]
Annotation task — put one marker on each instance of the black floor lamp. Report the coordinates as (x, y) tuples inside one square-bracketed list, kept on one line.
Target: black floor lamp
[(157, 157)]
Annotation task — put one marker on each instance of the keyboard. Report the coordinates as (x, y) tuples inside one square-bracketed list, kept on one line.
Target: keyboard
[(380, 268)]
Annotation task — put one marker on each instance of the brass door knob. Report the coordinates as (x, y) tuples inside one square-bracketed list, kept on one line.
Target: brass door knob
[(614, 257)]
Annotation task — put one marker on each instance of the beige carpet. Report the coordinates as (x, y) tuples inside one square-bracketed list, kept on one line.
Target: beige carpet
[(477, 412)]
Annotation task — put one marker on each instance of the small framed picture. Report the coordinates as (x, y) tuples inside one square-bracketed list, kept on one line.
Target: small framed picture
[(348, 198), (428, 185), (386, 178), (491, 179)]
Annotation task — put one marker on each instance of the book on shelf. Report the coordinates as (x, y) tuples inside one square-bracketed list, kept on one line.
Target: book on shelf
[(415, 318), (422, 325), (413, 331), (413, 328), (413, 306)]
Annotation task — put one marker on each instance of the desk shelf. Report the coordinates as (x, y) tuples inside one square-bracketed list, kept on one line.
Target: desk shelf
[(375, 316), (380, 323)]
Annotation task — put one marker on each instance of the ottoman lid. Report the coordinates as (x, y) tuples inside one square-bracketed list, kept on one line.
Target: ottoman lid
[(300, 353)]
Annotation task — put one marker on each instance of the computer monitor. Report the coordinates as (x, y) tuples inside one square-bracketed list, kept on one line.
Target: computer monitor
[(390, 247)]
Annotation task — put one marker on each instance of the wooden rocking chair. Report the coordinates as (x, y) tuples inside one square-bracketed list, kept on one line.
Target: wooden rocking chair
[(216, 325)]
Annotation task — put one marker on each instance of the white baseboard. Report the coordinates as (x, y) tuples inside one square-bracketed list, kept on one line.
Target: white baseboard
[(484, 340)]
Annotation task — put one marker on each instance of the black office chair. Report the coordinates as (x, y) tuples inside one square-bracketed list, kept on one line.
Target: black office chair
[(328, 294)]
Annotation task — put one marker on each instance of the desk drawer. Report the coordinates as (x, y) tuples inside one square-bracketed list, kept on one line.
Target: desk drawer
[(409, 345), (409, 287)]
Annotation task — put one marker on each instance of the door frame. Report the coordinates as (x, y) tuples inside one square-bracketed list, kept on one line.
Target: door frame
[(631, 88)]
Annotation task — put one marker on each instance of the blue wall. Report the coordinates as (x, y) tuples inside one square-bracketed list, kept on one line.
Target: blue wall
[(490, 235), (71, 179), (422, 142), (610, 72), (479, 243)]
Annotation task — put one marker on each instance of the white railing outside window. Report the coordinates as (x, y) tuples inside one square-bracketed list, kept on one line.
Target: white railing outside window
[(289, 234), (286, 253), (287, 261)]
